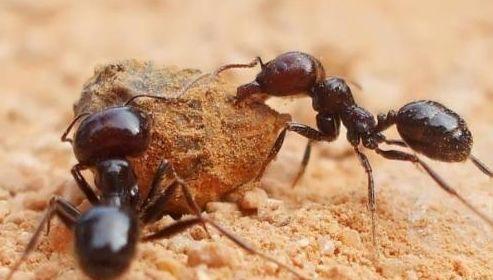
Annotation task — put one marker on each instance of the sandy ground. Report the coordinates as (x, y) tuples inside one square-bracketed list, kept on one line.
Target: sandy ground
[(398, 51)]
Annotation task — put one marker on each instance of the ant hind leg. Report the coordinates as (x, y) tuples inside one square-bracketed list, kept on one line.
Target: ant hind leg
[(481, 166), (399, 155), (60, 207)]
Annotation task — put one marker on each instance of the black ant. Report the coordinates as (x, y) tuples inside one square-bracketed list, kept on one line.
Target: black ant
[(107, 233), (426, 127)]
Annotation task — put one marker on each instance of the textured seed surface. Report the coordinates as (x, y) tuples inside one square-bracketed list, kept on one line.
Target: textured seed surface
[(215, 145)]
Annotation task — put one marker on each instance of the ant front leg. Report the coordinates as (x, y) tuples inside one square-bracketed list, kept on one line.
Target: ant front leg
[(303, 130), (58, 206), (83, 185), (153, 207), (329, 125)]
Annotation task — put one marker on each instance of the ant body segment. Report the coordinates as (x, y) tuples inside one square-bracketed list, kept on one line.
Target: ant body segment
[(105, 236), (426, 127)]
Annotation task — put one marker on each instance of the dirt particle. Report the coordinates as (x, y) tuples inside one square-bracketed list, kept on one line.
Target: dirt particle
[(212, 255), (254, 199), (351, 238)]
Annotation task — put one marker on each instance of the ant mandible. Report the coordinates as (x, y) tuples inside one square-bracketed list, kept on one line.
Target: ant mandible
[(426, 127), (107, 233)]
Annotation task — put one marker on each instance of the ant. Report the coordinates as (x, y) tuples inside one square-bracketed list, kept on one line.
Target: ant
[(426, 127), (106, 234)]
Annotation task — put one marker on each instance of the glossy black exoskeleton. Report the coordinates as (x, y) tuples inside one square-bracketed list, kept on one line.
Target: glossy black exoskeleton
[(107, 233), (425, 127)]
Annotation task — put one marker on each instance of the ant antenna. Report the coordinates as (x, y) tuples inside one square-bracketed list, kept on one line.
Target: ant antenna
[(133, 98), (64, 137), (218, 71), (191, 84)]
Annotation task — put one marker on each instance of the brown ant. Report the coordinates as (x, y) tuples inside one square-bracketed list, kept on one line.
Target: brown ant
[(426, 127), (107, 233)]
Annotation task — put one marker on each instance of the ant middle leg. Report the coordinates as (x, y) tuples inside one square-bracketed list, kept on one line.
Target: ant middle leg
[(403, 156), (304, 163), (152, 207), (303, 130), (372, 203), (58, 206)]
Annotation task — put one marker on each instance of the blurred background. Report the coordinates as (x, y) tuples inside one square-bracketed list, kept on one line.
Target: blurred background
[(397, 50)]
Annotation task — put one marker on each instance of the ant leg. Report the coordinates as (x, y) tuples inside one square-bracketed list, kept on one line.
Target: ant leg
[(64, 137), (398, 155), (372, 203), (192, 204), (83, 185), (159, 175), (67, 213), (304, 163), (395, 142), (153, 210), (301, 129), (182, 225), (481, 166), (172, 229)]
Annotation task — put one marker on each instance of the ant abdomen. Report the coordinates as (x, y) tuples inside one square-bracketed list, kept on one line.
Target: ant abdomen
[(434, 130), (105, 241), (288, 74), (114, 132)]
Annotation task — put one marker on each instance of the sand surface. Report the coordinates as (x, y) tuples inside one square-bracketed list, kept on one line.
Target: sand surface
[(397, 50)]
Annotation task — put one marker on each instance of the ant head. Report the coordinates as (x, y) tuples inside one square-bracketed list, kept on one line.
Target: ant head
[(114, 132), (288, 74), (114, 176), (331, 96), (105, 239)]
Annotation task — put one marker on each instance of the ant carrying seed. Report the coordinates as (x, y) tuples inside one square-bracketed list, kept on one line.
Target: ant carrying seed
[(105, 235), (426, 127)]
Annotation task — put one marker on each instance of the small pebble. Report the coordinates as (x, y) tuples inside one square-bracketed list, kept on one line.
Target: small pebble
[(212, 255), (254, 199), (351, 238), (221, 207), (4, 210), (302, 243), (327, 246)]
